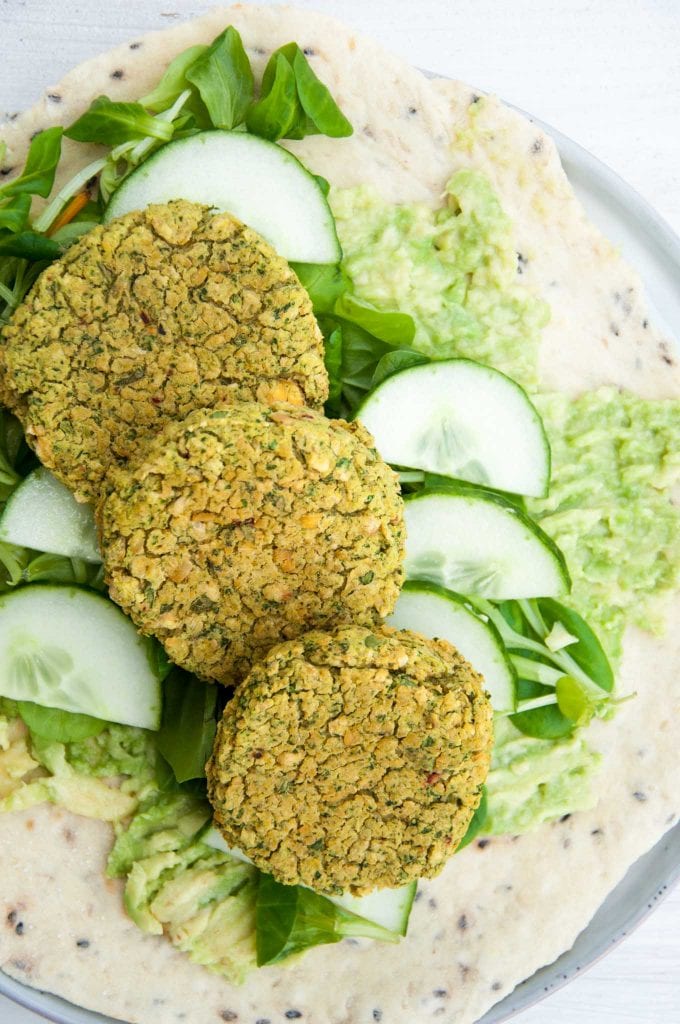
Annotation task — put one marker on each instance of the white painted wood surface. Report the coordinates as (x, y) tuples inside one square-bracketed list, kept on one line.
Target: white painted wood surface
[(607, 73)]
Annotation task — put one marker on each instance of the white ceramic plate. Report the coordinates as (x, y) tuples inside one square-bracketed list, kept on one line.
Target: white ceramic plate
[(654, 249)]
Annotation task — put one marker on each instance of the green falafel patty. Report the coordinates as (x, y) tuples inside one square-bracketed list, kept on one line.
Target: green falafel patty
[(162, 311), (244, 526), (352, 760)]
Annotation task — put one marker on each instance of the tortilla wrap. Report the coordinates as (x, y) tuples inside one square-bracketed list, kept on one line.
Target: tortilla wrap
[(503, 907)]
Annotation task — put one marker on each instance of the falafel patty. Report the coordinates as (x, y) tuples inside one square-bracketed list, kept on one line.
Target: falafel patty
[(352, 760), (162, 311), (244, 526)]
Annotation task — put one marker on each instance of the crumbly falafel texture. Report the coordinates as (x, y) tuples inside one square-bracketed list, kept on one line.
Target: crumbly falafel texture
[(244, 526), (352, 760), (162, 311)]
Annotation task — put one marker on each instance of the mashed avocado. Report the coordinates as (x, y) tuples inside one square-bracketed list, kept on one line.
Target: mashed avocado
[(454, 270), (532, 781), (203, 900), (615, 463), (34, 770)]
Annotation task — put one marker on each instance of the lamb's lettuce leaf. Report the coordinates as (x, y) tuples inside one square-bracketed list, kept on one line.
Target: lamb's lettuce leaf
[(188, 727), (58, 726), (291, 919), (223, 79), (37, 177), (293, 102), (111, 123)]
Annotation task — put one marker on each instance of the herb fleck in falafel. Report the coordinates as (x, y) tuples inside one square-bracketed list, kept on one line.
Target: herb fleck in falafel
[(160, 312), (241, 527), (352, 760)]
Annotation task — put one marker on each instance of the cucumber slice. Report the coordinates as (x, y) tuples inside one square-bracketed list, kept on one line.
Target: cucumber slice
[(42, 514), (389, 908), (433, 611), (460, 419), (216, 841), (261, 183), (473, 542), (69, 648)]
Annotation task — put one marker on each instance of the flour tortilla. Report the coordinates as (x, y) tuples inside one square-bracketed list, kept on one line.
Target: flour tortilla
[(500, 911)]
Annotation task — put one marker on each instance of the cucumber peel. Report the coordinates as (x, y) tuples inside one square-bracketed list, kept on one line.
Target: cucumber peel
[(434, 611), (257, 181), (70, 648), (42, 514), (476, 542), (460, 419)]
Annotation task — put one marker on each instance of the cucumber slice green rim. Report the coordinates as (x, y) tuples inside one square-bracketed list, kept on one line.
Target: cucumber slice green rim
[(461, 419), (476, 542), (259, 182), (42, 514), (66, 647), (434, 611)]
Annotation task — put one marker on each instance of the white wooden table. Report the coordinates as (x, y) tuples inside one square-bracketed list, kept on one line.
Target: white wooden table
[(606, 72)]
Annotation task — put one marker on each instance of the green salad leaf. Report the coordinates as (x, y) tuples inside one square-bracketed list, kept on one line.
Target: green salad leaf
[(291, 918), (394, 362), (355, 355), (578, 704), (560, 663), (224, 79), (14, 213), (29, 245), (188, 727), (477, 821), (275, 114), (333, 363), (19, 566), (293, 102), (16, 458), (174, 81), (394, 328), (111, 123), (37, 177), (546, 722), (364, 344), (60, 726), (323, 114), (586, 650), (323, 282)]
